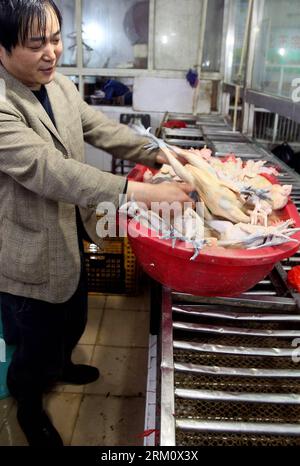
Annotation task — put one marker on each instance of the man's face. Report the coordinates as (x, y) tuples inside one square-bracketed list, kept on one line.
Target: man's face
[(34, 63)]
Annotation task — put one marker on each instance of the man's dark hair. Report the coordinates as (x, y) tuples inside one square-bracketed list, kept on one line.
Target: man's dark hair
[(16, 20)]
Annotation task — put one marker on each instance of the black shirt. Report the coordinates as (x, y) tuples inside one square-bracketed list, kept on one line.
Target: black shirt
[(42, 96)]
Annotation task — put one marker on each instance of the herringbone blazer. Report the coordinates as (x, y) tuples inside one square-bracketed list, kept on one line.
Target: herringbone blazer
[(43, 177)]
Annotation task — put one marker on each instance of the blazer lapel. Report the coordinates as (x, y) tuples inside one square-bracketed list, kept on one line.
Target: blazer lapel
[(59, 111), (19, 90)]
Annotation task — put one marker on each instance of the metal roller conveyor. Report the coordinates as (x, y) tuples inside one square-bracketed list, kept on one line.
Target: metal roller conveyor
[(211, 138), (245, 428), (183, 132), (240, 149), (219, 314), (240, 350), (192, 327), (229, 368), (225, 129), (184, 137), (248, 397), (236, 371)]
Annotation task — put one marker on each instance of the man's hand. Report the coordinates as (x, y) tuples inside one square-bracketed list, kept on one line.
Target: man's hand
[(164, 192)]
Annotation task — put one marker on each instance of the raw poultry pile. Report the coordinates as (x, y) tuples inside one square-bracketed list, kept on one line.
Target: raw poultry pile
[(239, 204)]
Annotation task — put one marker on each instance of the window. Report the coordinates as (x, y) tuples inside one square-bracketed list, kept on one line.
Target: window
[(69, 56), (124, 39), (115, 33), (235, 39), (176, 34), (211, 60), (277, 48)]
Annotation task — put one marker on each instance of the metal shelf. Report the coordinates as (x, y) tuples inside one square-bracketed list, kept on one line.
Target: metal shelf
[(228, 366)]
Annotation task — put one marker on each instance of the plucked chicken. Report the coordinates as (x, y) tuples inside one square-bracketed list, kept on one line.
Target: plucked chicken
[(239, 203)]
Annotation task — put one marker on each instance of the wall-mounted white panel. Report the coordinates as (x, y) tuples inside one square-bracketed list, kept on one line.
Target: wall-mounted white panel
[(169, 94)]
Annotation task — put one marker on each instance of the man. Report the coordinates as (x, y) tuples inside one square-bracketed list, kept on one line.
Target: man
[(115, 89), (43, 126)]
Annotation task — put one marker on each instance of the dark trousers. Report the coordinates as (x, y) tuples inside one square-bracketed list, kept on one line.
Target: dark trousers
[(45, 335)]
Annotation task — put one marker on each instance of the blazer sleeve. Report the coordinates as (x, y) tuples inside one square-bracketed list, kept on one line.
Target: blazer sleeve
[(41, 168), (117, 139)]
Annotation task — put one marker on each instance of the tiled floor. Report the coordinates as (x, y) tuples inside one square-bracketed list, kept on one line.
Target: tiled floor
[(110, 411)]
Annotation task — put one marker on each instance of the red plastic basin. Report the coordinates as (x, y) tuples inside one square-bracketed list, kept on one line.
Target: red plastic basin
[(216, 271)]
